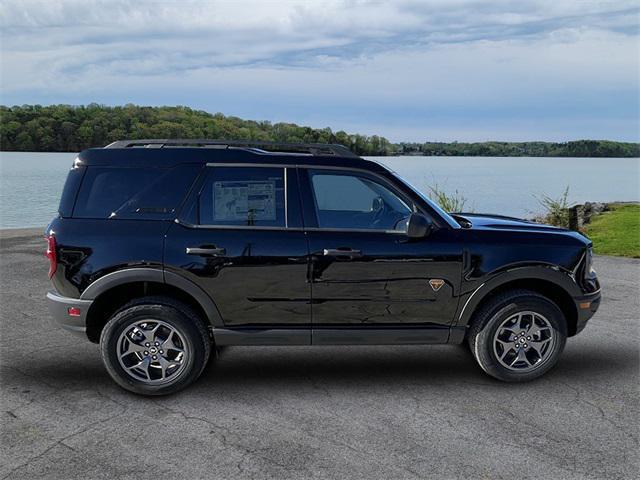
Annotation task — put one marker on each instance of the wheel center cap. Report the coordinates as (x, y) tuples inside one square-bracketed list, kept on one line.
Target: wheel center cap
[(521, 340), (153, 349)]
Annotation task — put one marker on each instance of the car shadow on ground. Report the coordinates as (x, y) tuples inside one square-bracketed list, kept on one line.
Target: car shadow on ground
[(394, 366), (293, 367)]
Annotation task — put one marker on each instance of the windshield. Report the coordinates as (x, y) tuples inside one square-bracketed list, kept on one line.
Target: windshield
[(448, 218)]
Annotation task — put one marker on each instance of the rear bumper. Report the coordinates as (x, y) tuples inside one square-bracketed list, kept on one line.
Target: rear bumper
[(59, 310), (587, 306)]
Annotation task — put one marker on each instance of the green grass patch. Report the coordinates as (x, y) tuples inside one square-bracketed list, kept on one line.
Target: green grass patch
[(616, 232)]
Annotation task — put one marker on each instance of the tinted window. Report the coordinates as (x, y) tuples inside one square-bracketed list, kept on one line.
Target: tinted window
[(347, 200), (248, 196), (133, 193), (70, 190)]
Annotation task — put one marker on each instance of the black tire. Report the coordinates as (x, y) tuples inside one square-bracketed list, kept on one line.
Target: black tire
[(179, 316), (497, 310)]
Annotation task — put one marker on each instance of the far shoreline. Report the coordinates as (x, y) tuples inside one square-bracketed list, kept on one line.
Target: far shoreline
[(388, 156), (67, 127)]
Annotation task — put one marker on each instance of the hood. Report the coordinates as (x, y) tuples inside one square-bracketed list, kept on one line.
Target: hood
[(499, 222)]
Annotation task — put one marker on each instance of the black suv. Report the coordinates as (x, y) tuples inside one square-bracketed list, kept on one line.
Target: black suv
[(165, 249)]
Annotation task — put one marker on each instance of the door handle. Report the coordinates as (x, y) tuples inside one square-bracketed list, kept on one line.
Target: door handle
[(214, 252), (341, 252)]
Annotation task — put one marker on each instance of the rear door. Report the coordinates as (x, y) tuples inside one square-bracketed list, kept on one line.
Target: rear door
[(240, 238), (365, 272)]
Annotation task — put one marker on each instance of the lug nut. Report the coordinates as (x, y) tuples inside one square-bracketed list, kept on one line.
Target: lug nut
[(156, 344), (161, 352), (147, 344), (154, 357), (146, 353), (525, 345), (528, 338)]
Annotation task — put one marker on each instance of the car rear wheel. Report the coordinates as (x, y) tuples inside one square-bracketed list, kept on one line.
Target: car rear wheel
[(518, 335), (155, 346)]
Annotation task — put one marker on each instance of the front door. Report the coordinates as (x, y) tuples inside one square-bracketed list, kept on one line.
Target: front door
[(366, 274), (241, 241)]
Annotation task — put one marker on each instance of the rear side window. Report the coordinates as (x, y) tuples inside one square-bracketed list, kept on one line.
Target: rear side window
[(243, 196), (70, 190), (133, 193)]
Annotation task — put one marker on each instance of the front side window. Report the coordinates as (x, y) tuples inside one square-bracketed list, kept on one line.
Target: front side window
[(351, 200), (243, 196)]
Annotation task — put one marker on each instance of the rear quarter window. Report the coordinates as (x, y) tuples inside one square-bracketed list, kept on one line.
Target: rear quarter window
[(133, 193), (70, 191)]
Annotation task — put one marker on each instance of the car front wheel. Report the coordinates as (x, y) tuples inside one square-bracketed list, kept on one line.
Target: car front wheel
[(518, 335)]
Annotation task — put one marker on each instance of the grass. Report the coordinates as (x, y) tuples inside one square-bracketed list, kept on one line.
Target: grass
[(616, 232)]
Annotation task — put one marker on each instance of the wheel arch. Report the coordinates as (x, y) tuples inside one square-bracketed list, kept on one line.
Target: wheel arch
[(556, 285), (110, 292)]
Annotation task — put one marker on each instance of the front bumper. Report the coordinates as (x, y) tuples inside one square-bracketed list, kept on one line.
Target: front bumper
[(587, 306), (59, 308)]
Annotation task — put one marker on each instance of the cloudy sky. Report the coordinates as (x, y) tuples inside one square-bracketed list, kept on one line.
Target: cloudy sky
[(406, 69)]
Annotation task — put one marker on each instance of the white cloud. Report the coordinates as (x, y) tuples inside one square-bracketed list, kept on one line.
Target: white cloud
[(332, 62)]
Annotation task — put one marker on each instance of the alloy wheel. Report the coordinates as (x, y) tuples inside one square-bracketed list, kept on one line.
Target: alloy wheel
[(524, 341), (152, 351)]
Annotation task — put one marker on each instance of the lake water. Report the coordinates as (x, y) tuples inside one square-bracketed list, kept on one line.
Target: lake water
[(31, 183)]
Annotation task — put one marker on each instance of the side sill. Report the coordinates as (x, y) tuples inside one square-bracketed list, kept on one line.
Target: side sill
[(262, 336), (457, 335), (335, 336), (380, 336)]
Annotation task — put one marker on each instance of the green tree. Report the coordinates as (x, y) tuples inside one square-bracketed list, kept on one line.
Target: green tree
[(74, 128)]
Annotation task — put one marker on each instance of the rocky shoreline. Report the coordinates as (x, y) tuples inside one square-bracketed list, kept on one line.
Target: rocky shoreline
[(581, 214)]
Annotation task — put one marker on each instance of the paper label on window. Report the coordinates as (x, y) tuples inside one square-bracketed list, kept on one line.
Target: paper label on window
[(244, 201)]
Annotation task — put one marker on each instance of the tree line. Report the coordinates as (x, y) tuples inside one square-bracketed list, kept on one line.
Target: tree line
[(66, 128), (577, 148)]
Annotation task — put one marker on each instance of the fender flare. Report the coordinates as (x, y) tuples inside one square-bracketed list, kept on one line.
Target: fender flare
[(559, 278), (145, 274)]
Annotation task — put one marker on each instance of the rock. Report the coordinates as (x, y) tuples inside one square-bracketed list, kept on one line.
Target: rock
[(579, 215)]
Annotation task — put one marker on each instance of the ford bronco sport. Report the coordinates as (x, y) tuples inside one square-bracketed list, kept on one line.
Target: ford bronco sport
[(165, 249)]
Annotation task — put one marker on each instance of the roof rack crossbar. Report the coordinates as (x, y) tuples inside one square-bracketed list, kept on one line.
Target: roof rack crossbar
[(312, 148)]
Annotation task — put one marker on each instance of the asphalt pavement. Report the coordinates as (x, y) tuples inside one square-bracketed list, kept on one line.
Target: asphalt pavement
[(316, 412)]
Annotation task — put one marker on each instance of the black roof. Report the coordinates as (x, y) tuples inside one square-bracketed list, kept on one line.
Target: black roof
[(167, 153)]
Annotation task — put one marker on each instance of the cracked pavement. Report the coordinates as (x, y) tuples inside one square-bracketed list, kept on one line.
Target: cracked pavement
[(316, 412)]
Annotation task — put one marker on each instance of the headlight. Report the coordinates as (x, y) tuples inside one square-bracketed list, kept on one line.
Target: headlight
[(588, 263), (589, 278)]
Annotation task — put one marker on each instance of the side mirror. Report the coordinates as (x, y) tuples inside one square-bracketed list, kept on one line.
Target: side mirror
[(418, 226)]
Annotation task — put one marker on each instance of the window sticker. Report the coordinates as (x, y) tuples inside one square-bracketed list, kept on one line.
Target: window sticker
[(244, 201)]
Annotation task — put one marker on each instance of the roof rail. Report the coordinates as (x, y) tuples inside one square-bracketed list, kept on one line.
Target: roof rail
[(265, 147)]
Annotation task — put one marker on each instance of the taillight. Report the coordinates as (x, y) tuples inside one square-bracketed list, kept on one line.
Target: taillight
[(51, 255)]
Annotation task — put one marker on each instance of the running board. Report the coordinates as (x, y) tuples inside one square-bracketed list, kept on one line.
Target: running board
[(331, 336), (379, 336), (262, 336)]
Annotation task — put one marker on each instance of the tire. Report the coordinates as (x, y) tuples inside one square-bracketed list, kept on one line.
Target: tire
[(517, 336), (130, 336)]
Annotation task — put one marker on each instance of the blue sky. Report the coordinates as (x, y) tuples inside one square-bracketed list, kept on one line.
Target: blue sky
[(409, 70)]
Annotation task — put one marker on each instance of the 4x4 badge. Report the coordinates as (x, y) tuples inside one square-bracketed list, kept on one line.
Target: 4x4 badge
[(436, 284)]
